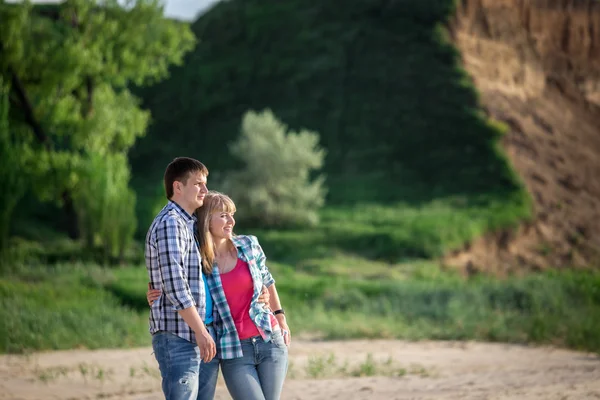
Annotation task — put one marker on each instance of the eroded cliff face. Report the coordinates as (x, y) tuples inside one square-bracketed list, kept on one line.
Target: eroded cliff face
[(536, 64)]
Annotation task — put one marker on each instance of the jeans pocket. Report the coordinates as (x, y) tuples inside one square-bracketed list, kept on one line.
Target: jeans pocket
[(277, 339)]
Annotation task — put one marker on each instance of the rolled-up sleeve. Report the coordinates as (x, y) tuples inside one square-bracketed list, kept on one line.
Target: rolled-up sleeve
[(261, 262), (172, 250)]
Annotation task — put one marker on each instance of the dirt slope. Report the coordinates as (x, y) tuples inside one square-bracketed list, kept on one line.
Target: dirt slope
[(536, 64)]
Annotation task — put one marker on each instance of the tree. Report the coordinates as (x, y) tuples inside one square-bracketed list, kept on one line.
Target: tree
[(11, 178), (70, 66), (274, 187), (106, 205)]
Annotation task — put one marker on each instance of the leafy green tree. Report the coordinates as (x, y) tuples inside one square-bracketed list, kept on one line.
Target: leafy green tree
[(274, 185), (70, 66), (106, 205)]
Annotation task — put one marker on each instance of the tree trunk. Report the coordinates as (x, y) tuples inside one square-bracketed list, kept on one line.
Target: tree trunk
[(70, 215)]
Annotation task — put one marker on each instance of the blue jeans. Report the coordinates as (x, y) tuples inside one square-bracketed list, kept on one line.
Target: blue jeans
[(184, 375), (259, 373)]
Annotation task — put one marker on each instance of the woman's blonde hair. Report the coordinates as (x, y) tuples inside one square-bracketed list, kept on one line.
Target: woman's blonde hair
[(213, 202)]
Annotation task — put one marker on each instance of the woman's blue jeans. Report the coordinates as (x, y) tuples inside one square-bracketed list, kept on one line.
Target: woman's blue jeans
[(184, 375), (260, 373)]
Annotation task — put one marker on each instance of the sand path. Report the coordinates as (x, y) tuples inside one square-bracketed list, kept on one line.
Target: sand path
[(348, 370)]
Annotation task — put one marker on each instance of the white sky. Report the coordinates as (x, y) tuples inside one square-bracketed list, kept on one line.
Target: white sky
[(180, 9)]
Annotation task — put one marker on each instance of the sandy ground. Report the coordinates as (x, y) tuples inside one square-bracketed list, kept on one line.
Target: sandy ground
[(328, 370)]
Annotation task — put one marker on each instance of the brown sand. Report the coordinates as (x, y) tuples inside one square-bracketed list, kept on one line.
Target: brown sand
[(324, 370)]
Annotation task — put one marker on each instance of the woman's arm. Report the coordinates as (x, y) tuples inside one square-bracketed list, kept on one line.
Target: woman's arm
[(275, 305)]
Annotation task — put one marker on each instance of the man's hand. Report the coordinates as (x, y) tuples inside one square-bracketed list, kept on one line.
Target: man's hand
[(206, 344), (264, 297), (285, 329)]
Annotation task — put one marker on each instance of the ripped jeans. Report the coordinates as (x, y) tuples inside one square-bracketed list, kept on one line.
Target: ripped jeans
[(184, 375)]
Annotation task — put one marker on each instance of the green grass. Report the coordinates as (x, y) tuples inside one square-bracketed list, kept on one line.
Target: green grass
[(551, 308), (65, 307), (397, 231), (73, 306)]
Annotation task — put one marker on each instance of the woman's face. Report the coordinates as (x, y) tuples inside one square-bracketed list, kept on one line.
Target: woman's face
[(221, 225)]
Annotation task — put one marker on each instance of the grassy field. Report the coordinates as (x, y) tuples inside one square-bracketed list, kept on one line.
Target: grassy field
[(65, 307), (85, 306)]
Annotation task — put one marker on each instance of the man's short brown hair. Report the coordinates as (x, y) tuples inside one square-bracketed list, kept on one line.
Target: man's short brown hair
[(179, 170)]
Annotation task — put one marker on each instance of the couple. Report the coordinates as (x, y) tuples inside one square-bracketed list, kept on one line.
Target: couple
[(208, 299)]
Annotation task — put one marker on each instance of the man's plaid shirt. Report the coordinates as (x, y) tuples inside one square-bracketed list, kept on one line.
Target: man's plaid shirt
[(173, 263), (228, 341)]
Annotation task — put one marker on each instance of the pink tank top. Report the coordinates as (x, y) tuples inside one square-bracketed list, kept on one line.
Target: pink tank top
[(238, 288)]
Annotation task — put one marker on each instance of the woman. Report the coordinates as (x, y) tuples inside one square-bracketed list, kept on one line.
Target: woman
[(251, 340)]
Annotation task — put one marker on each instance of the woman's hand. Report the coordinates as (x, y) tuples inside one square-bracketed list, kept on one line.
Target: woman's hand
[(285, 329), (152, 295)]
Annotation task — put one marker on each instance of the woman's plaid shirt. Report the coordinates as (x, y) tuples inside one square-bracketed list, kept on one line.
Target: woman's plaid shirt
[(173, 263), (228, 342)]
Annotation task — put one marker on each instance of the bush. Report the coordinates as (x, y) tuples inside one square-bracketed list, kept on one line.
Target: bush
[(274, 186)]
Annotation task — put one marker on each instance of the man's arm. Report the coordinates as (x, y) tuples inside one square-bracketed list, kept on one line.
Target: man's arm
[(171, 243), (205, 342), (171, 246)]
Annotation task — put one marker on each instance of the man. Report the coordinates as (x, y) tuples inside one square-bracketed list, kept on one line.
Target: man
[(182, 335)]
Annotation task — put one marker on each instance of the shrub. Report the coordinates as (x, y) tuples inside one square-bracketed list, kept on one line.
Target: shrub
[(274, 185)]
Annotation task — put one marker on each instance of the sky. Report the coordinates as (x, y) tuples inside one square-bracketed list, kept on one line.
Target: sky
[(180, 9), (186, 9)]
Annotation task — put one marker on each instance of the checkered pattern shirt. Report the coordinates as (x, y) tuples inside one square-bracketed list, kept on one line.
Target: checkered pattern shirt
[(228, 341), (173, 264)]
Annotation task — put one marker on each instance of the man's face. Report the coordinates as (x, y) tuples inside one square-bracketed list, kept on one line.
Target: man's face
[(191, 194)]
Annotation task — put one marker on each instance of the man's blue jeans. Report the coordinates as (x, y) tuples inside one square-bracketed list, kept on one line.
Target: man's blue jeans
[(260, 373), (184, 375)]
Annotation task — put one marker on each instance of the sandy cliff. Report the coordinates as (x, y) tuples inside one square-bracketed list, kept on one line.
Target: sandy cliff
[(537, 66)]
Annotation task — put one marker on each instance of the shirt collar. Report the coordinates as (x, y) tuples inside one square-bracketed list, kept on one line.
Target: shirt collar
[(187, 217), (237, 242)]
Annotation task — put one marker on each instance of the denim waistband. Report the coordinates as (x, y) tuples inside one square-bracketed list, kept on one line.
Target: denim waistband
[(208, 326), (251, 339)]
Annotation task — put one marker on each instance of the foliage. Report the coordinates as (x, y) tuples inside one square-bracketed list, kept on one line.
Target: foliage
[(273, 187), (398, 116), (70, 68), (69, 306), (106, 204)]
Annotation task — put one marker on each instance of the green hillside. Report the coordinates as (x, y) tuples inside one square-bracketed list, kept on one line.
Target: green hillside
[(413, 166)]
